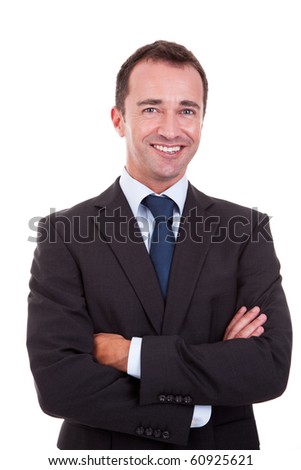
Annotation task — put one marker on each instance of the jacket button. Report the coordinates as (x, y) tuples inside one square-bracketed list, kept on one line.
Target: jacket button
[(165, 435), (148, 432), (178, 399), (170, 398), (187, 400), (162, 398), (157, 433), (140, 430)]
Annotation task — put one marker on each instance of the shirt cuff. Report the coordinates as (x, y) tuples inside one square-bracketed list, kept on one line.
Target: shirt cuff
[(134, 359), (201, 415)]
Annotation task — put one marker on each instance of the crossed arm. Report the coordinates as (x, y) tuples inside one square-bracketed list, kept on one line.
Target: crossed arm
[(74, 383), (113, 350)]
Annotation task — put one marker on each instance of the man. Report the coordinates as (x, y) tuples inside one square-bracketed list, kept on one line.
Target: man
[(132, 333)]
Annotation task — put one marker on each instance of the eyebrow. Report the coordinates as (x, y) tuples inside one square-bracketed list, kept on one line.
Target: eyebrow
[(154, 102), (190, 104), (149, 101)]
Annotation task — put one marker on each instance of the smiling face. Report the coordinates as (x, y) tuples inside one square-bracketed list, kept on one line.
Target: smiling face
[(162, 122)]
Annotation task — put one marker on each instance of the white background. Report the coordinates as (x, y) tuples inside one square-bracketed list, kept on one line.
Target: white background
[(58, 64)]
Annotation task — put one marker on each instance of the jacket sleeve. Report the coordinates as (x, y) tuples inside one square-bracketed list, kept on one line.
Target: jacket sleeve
[(70, 383), (234, 372)]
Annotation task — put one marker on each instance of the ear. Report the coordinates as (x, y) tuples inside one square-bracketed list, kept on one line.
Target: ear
[(118, 121)]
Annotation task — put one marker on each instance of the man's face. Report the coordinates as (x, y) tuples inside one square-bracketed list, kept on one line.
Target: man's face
[(162, 122)]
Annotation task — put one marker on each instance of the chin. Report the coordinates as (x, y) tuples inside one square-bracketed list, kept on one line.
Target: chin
[(170, 173)]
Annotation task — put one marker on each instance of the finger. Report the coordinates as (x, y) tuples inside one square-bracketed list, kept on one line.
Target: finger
[(258, 332), (239, 314), (242, 322), (249, 330), (110, 336)]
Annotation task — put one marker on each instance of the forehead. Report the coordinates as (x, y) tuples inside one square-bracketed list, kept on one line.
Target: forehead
[(164, 80)]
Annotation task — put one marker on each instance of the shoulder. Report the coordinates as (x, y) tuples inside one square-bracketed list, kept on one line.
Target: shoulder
[(81, 218), (236, 220), (89, 207), (223, 208)]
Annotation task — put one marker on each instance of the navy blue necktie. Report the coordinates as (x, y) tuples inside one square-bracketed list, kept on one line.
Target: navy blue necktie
[(163, 240)]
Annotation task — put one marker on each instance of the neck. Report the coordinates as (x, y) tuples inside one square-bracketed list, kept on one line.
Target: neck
[(157, 186)]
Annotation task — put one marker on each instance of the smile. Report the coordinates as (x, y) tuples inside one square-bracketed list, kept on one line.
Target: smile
[(169, 150)]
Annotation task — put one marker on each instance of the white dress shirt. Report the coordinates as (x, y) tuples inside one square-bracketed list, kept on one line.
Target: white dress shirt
[(135, 192)]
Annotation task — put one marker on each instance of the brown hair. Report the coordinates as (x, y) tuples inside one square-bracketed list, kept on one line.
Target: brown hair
[(158, 51)]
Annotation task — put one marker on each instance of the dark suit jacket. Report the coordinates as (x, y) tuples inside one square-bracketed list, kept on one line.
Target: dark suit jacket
[(91, 273)]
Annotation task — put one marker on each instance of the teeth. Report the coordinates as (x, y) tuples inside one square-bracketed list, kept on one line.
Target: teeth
[(167, 149)]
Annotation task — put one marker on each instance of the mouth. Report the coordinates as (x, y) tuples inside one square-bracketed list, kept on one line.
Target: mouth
[(172, 150)]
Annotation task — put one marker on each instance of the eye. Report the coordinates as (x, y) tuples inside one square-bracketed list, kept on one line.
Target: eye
[(187, 111), (149, 110)]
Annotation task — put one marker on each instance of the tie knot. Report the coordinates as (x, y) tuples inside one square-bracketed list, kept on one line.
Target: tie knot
[(159, 206)]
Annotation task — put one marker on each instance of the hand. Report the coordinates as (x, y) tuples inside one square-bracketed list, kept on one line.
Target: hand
[(111, 350), (246, 324)]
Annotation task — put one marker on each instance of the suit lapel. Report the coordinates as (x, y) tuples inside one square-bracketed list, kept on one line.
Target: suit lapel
[(189, 256), (118, 227)]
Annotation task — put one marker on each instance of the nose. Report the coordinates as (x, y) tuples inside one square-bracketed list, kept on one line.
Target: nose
[(169, 126)]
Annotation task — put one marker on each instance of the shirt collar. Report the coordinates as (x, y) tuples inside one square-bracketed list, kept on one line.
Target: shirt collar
[(135, 191)]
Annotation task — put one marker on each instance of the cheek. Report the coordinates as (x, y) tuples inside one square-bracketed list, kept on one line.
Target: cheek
[(193, 125), (190, 125), (135, 124), (194, 130), (144, 128)]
